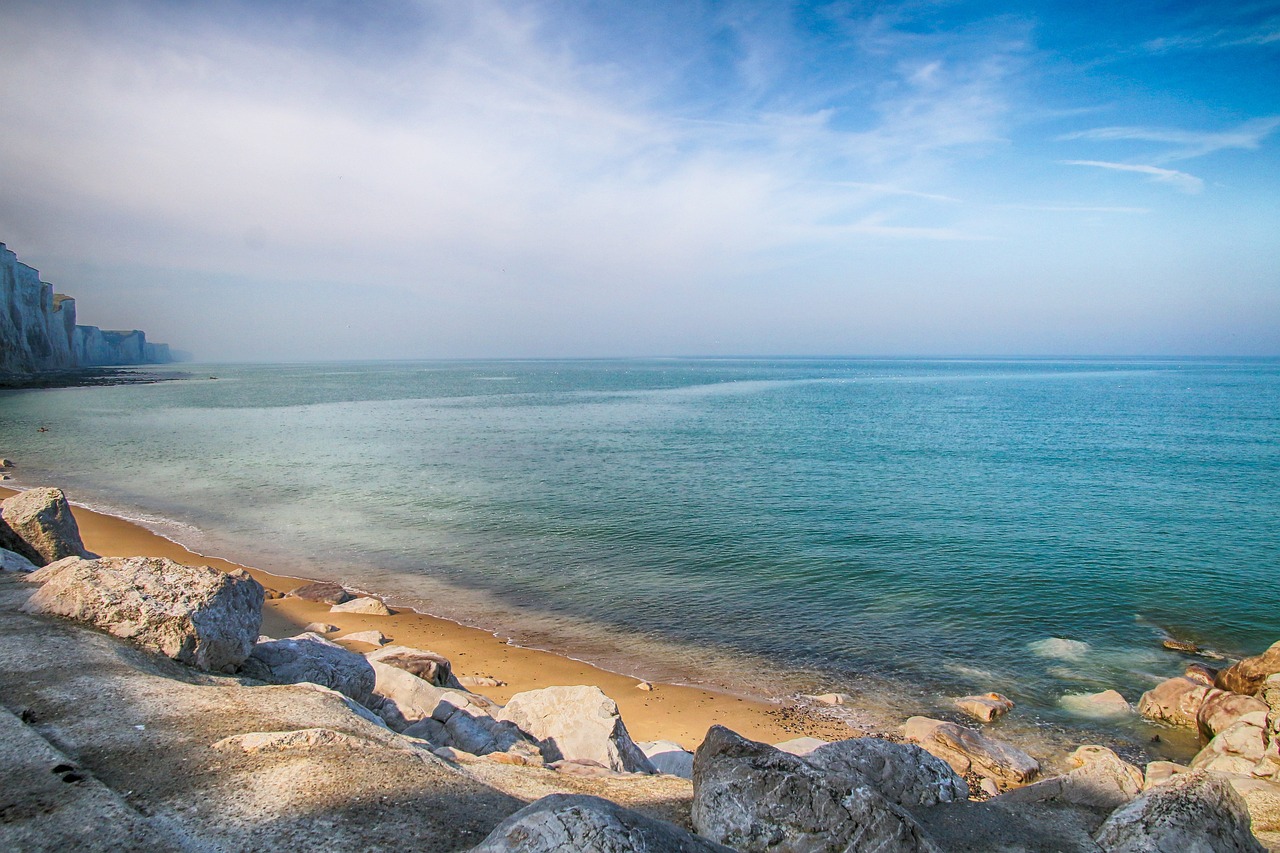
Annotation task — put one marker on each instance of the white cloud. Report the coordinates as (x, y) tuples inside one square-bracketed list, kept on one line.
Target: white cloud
[(1181, 180), (1190, 143)]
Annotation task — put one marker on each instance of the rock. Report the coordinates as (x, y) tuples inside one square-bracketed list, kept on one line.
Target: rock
[(312, 658), (1246, 676), (753, 797), (1220, 709), (832, 698), (1101, 780), (11, 561), (1202, 673), (1236, 749), (253, 742), (43, 573), (427, 729), (1269, 765), (645, 686), (429, 666), (42, 519), (1186, 647), (576, 722), (272, 594), (480, 681), (969, 751), (902, 773), (668, 757), (465, 719), (372, 638), (1159, 772), (584, 767), (365, 606), (1262, 798), (1176, 701), (563, 822), (1108, 703), (5, 463), (322, 592), (985, 707), (988, 786), (319, 628), (1192, 813), (801, 746), (193, 614)]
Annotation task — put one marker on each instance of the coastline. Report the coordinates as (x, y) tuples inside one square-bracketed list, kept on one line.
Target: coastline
[(671, 712)]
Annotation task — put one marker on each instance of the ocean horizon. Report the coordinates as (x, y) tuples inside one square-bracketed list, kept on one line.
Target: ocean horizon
[(904, 530)]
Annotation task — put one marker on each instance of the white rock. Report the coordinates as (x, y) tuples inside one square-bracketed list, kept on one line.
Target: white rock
[(800, 746), (669, 757), (1108, 703), (372, 638), (364, 606), (576, 722), (43, 520)]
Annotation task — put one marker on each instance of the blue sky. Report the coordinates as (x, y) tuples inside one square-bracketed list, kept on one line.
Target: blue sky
[(271, 180)]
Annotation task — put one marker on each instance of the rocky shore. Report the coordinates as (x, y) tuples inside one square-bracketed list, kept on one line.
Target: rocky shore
[(146, 707)]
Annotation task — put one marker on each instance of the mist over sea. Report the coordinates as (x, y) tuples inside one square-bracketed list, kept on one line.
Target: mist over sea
[(908, 529)]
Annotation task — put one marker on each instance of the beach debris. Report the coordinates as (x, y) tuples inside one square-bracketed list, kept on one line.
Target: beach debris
[(1220, 709), (14, 562), (1059, 648), (429, 666), (1174, 700), (1101, 779), (590, 825), (1246, 676), (1108, 703), (753, 797), (480, 681), (312, 658), (645, 686), (801, 746), (322, 592), (194, 614), (319, 628), (365, 606), (1193, 811), (902, 773), (576, 722), (968, 750), (668, 757), (372, 638), (42, 519), (985, 707)]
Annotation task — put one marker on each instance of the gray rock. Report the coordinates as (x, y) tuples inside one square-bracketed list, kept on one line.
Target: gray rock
[(668, 757), (193, 614), (564, 822), (1248, 675), (322, 592), (753, 797), (576, 722), (429, 666), (1192, 813), (1101, 780), (364, 606), (1175, 700), (902, 773), (11, 561), (42, 519), (968, 751), (466, 720), (311, 658)]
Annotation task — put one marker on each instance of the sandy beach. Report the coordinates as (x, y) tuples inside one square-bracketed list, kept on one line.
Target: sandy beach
[(667, 712)]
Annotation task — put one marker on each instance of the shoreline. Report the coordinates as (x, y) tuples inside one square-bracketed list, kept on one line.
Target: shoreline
[(672, 712)]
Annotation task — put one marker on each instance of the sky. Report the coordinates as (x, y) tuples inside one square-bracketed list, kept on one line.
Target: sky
[(283, 181)]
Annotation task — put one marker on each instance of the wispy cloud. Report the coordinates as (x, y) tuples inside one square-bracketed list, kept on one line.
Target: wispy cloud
[(1190, 143), (1180, 180), (1264, 34), (1077, 208)]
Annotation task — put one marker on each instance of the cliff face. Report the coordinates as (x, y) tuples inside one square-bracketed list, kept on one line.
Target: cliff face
[(38, 328)]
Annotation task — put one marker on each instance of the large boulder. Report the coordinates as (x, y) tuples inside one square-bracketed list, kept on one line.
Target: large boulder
[(584, 824), (1175, 700), (1101, 779), (1236, 749), (576, 722), (1246, 676), (42, 519), (754, 797), (969, 751), (311, 658), (1221, 709), (1192, 813), (430, 667), (194, 614), (902, 773)]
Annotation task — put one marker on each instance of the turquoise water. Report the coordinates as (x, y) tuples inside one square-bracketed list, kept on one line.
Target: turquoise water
[(909, 529)]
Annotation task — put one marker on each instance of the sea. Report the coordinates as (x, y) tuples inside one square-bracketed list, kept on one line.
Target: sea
[(903, 531)]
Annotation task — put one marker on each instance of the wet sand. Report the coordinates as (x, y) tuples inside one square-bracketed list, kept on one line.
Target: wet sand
[(667, 712)]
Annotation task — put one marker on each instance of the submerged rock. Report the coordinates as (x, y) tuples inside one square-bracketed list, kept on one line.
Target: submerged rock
[(576, 722), (1192, 813), (194, 614), (42, 519), (985, 707), (967, 750), (1108, 703), (753, 797), (312, 658), (563, 822)]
